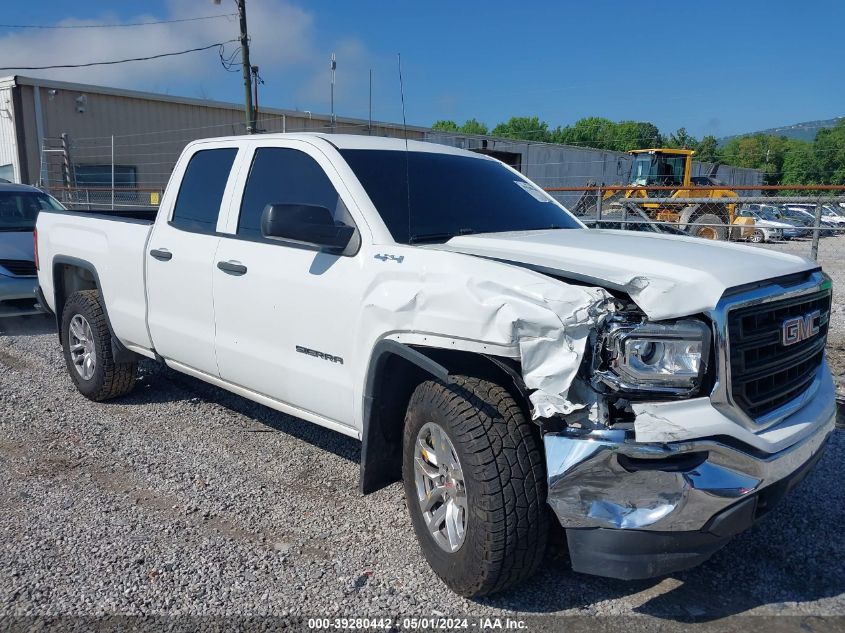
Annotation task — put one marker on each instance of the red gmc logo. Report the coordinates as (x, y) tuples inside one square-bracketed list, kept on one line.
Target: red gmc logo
[(800, 328)]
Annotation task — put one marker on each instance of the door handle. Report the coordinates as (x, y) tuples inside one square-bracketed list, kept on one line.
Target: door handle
[(162, 254), (232, 268)]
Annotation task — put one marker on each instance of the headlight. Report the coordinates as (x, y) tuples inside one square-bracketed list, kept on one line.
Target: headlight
[(656, 358)]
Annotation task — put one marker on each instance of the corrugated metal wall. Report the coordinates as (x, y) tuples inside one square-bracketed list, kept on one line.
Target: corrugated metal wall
[(8, 144), (551, 165), (149, 133)]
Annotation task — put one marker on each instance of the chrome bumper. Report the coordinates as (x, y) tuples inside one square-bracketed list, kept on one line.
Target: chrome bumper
[(604, 479)]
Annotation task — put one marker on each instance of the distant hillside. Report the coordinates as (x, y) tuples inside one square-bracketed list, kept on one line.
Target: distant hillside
[(803, 131)]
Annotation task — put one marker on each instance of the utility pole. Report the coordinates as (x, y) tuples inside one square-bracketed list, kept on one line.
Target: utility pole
[(247, 69), (333, 67)]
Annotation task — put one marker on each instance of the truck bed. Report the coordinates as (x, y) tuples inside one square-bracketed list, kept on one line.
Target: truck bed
[(144, 214), (111, 246)]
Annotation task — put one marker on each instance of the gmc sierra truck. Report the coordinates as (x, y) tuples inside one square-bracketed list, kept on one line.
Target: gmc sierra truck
[(653, 394)]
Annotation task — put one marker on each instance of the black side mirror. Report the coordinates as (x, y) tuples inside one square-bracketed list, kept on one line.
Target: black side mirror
[(305, 224)]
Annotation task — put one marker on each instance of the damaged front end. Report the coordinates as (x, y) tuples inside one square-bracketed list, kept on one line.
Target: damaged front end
[(641, 479)]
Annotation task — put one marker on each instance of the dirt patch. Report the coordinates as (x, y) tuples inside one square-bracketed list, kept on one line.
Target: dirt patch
[(13, 362)]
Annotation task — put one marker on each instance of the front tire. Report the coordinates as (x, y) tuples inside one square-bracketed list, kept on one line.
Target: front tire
[(475, 485), (87, 350)]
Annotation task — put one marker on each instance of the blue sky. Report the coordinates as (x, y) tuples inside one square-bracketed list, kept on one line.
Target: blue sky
[(720, 67)]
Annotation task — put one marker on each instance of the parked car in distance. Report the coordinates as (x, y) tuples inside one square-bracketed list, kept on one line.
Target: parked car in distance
[(808, 211), (833, 214), (19, 208), (767, 226), (799, 220), (654, 394)]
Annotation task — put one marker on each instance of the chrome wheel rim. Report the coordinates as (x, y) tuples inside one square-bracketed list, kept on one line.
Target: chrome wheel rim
[(83, 352), (441, 491)]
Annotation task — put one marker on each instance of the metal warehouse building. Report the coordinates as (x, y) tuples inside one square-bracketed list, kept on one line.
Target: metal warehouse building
[(78, 141)]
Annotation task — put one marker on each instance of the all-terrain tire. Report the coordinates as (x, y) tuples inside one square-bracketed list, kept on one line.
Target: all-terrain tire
[(505, 480), (109, 379)]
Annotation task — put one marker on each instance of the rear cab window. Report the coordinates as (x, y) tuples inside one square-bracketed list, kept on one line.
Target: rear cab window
[(201, 190)]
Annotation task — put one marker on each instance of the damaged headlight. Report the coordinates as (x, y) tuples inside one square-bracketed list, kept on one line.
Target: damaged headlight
[(656, 358)]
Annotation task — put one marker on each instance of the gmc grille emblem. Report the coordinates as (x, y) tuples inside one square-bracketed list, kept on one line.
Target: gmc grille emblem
[(800, 328)]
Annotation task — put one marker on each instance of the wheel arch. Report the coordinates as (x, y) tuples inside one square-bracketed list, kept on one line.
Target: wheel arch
[(71, 274), (395, 370)]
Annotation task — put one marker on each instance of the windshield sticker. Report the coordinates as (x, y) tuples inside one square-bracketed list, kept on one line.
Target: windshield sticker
[(534, 191)]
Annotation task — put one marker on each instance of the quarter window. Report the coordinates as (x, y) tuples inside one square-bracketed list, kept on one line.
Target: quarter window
[(201, 193)]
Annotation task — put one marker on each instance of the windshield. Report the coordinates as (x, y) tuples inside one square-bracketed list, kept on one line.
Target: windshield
[(451, 195), (19, 209), (656, 169)]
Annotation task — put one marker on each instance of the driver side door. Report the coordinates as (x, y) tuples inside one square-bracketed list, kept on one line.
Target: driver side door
[(285, 314)]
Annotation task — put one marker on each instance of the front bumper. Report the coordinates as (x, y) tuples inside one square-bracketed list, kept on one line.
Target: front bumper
[(638, 510), (17, 296)]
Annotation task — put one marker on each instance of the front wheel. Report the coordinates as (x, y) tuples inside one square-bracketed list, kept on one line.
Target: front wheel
[(87, 349), (475, 485)]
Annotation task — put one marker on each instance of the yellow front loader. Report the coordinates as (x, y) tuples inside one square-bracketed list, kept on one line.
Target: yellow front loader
[(672, 168)]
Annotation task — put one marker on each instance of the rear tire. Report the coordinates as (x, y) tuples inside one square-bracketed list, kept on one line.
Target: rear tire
[(699, 228), (757, 237), (502, 477), (88, 352)]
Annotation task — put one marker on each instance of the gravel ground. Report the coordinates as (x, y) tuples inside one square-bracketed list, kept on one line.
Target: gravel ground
[(183, 499)]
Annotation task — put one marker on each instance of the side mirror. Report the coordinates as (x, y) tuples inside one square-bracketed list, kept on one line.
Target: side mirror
[(305, 224)]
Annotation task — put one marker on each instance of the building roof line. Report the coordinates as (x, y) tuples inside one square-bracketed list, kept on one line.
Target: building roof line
[(21, 80)]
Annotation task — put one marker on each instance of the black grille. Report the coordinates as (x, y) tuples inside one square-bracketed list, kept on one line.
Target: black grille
[(19, 267), (765, 373)]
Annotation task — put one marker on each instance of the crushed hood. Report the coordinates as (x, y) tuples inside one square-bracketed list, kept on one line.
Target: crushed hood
[(667, 276)]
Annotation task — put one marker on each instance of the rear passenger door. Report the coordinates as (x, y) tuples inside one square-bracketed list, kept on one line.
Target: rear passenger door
[(180, 261), (284, 322)]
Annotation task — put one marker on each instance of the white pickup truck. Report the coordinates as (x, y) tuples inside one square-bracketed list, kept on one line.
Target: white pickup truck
[(654, 395)]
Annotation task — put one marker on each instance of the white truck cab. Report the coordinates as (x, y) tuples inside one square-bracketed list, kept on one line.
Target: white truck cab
[(657, 393)]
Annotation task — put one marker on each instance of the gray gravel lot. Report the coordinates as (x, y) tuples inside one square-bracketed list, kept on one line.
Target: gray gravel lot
[(183, 499), (832, 259)]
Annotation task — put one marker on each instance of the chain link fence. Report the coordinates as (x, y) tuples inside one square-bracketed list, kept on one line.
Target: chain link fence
[(110, 172), (806, 220)]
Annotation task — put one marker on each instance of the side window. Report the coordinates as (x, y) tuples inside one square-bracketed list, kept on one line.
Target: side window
[(201, 192), (281, 175)]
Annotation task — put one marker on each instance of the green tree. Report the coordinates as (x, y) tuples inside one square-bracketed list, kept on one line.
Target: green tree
[(473, 126), (587, 132), (761, 151), (829, 152), (445, 125), (525, 128), (708, 150), (801, 165), (681, 139)]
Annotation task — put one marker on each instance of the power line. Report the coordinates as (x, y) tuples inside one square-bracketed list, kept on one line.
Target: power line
[(112, 26), (120, 61)]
